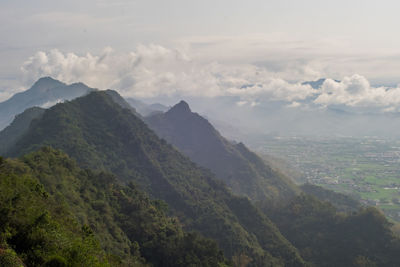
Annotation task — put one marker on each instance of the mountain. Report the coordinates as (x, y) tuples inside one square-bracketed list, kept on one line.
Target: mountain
[(21, 123), (37, 230), (55, 212), (341, 202), (328, 238), (18, 127), (146, 109), (241, 169), (44, 93), (100, 134), (122, 102)]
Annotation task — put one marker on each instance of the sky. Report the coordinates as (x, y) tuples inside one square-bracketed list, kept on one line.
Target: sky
[(256, 50)]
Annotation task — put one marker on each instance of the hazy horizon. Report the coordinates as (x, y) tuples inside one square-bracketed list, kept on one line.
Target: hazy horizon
[(252, 55)]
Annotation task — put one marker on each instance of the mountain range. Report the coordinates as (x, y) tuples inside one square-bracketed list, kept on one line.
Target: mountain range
[(168, 189), (100, 134), (245, 118), (44, 93), (241, 169)]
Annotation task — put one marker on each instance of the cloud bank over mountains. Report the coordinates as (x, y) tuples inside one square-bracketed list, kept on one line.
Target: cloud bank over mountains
[(356, 91), (157, 71)]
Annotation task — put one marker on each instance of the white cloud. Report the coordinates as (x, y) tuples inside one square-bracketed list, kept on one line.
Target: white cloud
[(4, 96), (157, 71), (153, 70), (51, 103), (294, 104), (94, 70), (356, 91), (241, 103)]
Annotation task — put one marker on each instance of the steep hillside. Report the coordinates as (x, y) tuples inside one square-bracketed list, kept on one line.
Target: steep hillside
[(329, 239), (102, 135), (340, 201), (131, 229), (18, 127), (45, 92), (242, 170), (36, 229), (122, 102)]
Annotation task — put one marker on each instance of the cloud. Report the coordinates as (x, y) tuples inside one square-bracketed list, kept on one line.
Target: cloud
[(157, 71), (51, 103), (4, 96), (241, 103), (69, 67), (356, 91), (294, 104), (154, 70)]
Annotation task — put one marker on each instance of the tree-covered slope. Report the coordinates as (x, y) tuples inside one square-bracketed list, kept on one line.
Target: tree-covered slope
[(104, 222), (102, 135), (242, 170), (328, 238), (340, 201), (35, 230)]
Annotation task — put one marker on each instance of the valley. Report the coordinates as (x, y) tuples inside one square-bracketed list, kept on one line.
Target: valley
[(367, 168)]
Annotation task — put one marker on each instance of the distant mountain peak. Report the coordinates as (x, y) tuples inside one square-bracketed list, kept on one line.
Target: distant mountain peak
[(181, 107), (78, 84), (47, 78), (47, 82), (243, 171), (44, 93), (44, 84)]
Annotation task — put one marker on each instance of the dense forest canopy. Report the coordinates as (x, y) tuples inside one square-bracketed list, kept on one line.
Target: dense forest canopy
[(53, 211)]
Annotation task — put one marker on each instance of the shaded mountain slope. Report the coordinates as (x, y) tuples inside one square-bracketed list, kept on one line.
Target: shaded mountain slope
[(122, 102), (10, 134), (329, 239), (340, 201), (102, 135), (45, 92), (242, 170)]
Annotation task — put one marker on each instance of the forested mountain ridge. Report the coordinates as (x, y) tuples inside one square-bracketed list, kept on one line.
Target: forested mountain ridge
[(341, 202), (328, 238), (55, 212), (241, 169), (45, 92), (102, 135), (35, 229)]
